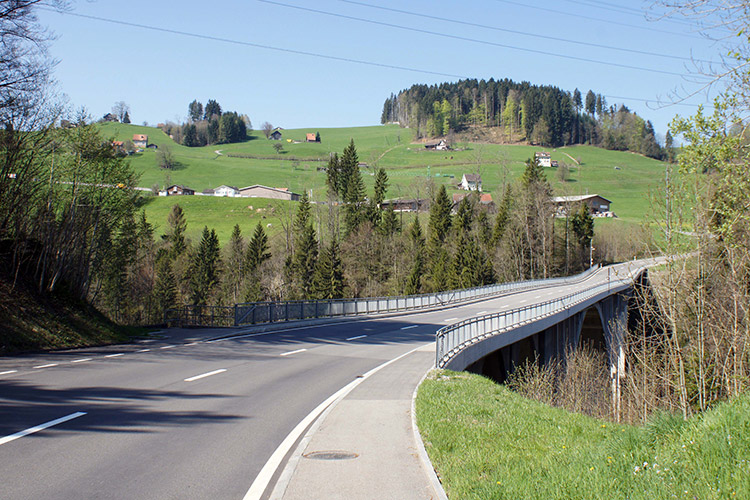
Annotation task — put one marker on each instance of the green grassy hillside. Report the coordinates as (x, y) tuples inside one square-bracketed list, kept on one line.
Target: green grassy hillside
[(624, 178), (487, 442)]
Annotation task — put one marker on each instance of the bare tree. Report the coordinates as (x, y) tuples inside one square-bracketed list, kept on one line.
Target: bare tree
[(165, 159), (121, 110), (267, 128)]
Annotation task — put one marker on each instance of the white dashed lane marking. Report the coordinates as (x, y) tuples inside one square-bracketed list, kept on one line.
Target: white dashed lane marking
[(292, 352)]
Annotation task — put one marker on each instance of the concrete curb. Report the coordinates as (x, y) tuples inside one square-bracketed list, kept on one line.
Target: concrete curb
[(423, 456)]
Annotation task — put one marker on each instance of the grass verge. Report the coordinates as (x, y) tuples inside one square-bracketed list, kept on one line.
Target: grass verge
[(487, 442)]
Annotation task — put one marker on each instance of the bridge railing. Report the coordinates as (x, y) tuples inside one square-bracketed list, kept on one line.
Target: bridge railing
[(451, 339), (254, 313)]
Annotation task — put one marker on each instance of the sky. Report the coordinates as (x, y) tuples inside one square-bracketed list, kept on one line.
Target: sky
[(332, 63)]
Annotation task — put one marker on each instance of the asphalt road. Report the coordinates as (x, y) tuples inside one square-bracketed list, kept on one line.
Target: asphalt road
[(184, 417)]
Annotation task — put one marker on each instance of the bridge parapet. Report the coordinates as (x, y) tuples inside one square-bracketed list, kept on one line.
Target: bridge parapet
[(453, 340)]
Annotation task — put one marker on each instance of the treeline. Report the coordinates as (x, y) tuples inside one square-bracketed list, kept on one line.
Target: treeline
[(209, 125), (353, 247), (544, 115)]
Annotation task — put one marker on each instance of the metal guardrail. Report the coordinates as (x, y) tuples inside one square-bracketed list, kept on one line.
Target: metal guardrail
[(451, 339), (254, 313)]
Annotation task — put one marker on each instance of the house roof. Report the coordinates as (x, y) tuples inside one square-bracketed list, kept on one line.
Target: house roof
[(310, 137), (473, 177), (484, 199), (281, 190), (434, 143), (573, 199), (179, 186), (140, 137), (117, 143), (225, 186), (541, 153)]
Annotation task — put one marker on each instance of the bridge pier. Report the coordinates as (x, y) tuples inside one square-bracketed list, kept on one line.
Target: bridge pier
[(613, 312)]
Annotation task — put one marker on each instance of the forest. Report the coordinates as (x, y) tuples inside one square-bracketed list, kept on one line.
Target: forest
[(544, 115)]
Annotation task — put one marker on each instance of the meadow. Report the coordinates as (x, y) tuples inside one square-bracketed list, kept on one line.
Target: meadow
[(625, 178)]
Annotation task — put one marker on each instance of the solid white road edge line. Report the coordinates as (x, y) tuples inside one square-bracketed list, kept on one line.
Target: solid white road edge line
[(41, 427), (410, 327), (50, 365), (204, 375), (292, 352), (8, 372), (266, 473), (357, 337), (481, 312), (449, 320)]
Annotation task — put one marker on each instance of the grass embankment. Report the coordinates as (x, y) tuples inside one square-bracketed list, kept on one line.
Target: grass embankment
[(625, 178), (487, 442), (31, 322)]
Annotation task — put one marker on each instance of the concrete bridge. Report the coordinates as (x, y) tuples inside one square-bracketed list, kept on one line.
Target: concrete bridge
[(546, 326)]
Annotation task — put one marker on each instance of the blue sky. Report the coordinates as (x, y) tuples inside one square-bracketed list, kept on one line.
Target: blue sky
[(159, 72)]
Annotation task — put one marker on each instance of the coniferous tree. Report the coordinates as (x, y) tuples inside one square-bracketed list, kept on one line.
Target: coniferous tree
[(440, 215), (590, 102), (414, 281), (257, 254), (328, 280), (236, 267), (126, 118), (582, 225), (389, 224), (204, 271), (164, 293), (175, 235), (212, 110), (332, 177), (195, 111), (302, 262), (503, 215)]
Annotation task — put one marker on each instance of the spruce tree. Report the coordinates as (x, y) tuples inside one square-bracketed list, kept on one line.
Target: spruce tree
[(389, 223), (164, 293), (414, 281), (381, 186), (302, 263), (328, 280), (257, 249), (503, 215), (348, 165), (236, 269), (582, 225), (332, 177), (175, 235), (440, 215), (204, 271)]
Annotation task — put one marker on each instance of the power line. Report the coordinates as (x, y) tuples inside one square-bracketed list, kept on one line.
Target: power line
[(607, 21), (473, 40), (516, 32), (289, 51), (252, 44)]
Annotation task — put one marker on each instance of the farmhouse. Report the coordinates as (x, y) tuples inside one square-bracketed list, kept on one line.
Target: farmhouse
[(275, 135), (258, 191), (119, 147), (140, 140), (177, 190), (439, 145), (312, 137), (544, 158), (406, 205), (599, 206), (226, 191), (484, 199), (471, 182)]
